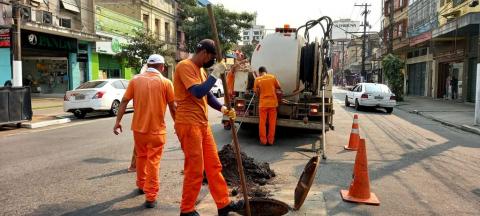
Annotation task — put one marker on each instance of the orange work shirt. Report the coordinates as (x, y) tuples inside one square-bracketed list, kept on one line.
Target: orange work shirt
[(151, 93), (230, 82), (267, 86), (190, 110)]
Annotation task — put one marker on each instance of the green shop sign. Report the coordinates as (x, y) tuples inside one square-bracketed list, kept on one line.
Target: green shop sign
[(38, 40), (112, 22)]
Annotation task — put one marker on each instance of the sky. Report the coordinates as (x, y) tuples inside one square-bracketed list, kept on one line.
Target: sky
[(276, 13)]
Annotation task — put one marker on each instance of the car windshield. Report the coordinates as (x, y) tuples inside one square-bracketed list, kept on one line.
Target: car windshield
[(92, 84), (376, 88)]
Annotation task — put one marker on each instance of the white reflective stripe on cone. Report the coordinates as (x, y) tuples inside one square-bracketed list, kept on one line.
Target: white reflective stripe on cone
[(355, 131)]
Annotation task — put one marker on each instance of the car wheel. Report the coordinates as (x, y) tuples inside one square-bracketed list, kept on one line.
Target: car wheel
[(80, 114), (219, 93), (347, 104), (114, 109), (357, 105), (389, 110)]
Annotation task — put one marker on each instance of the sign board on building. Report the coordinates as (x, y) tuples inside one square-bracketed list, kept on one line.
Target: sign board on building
[(342, 26), (38, 40), (110, 47), (115, 23), (4, 38)]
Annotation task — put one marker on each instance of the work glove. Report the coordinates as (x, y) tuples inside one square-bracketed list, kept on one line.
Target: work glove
[(229, 112), (219, 69)]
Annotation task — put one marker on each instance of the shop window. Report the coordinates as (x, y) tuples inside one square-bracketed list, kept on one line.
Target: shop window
[(157, 28), (112, 73)]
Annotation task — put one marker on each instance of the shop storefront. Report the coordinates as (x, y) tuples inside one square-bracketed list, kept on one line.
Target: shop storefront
[(49, 62)]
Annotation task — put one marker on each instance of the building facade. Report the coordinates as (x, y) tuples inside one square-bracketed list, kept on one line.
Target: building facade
[(253, 35), (105, 60), (57, 39), (422, 20), (157, 16)]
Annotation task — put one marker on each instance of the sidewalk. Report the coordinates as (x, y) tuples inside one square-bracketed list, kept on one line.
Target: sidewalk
[(46, 112), (451, 113)]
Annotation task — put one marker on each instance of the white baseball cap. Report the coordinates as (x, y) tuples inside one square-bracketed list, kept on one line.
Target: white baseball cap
[(156, 59)]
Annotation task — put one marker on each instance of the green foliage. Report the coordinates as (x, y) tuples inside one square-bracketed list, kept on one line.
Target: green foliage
[(141, 46), (196, 25), (391, 69), (248, 50)]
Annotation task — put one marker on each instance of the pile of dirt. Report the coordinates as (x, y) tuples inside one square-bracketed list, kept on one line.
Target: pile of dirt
[(257, 174)]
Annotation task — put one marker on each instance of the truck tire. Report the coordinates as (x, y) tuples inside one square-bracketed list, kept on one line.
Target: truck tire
[(347, 104)]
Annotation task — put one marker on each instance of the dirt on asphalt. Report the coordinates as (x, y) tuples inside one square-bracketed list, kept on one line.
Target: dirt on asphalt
[(258, 174)]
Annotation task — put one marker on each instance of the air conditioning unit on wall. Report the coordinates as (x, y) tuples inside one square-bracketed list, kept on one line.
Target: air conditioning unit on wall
[(44, 17)]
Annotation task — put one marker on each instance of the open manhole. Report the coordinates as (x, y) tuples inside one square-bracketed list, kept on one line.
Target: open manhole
[(266, 207)]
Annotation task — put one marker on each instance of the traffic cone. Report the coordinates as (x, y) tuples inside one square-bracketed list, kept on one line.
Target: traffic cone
[(359, 190), (354, 135)]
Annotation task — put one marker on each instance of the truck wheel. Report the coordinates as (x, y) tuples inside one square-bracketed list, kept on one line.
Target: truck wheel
[(114, 109), (347, 104), (357, 105), (80, 114)]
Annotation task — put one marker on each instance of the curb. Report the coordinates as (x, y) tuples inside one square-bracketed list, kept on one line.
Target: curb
[(41, 124), (465, 128)]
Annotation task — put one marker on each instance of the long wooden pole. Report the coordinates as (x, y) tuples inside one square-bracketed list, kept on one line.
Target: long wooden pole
[(238, 156)]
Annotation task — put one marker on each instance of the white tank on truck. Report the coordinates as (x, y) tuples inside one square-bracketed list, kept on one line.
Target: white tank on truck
[(301, 69)]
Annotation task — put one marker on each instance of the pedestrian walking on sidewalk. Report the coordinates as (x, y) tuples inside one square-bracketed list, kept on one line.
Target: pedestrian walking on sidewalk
[(151, 93), (266, 86), (192, 94), (454, 85)]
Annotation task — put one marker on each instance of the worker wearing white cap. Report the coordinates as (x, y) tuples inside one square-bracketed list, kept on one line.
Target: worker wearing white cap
[(151, 93)]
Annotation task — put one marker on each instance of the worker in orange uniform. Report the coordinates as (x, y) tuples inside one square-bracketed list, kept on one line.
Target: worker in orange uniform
[(151, 92), (266, 86), (192, 94), (230, 78)]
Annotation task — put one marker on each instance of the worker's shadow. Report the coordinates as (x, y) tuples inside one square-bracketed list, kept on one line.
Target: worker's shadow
[(104, 208)]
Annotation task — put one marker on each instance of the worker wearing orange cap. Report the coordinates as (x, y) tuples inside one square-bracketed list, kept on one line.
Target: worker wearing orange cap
[(192, 94), (266, 86), (151, 93)]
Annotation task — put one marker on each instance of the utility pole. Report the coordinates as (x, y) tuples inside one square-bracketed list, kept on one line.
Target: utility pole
[(17, 47), (391, 16), (364, 38)]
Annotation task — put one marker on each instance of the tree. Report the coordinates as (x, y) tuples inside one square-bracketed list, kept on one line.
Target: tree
[(391, 68), (196, 25), (248, 50), (141, 46)]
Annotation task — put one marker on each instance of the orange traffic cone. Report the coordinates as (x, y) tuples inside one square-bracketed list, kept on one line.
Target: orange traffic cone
[(354, 135), (359, 190)]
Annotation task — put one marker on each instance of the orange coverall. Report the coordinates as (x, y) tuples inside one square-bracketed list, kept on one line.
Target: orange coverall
[(197, 141), (150, 93), (230, 83), (266, 87)]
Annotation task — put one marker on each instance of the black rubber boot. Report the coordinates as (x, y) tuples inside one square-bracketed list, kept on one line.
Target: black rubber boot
[(194, 213), (232, 207), (150, 204)]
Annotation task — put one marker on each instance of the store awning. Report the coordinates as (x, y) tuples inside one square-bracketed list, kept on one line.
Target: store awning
[(71, 5), (469, 19)]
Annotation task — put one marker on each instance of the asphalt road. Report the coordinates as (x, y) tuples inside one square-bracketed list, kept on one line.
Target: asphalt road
[(417, 167)]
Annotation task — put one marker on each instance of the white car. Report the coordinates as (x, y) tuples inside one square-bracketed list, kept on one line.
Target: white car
[(371, 95), (217, 89), (96, 95)]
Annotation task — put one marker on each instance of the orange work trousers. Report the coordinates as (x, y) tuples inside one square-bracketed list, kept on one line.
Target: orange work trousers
[(269, 113), (148, 148), (201, 154)]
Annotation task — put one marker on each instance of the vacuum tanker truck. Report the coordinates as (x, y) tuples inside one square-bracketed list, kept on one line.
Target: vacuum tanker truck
[(302, 69)]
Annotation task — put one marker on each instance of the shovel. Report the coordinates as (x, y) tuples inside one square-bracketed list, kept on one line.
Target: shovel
[(238, 157)]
